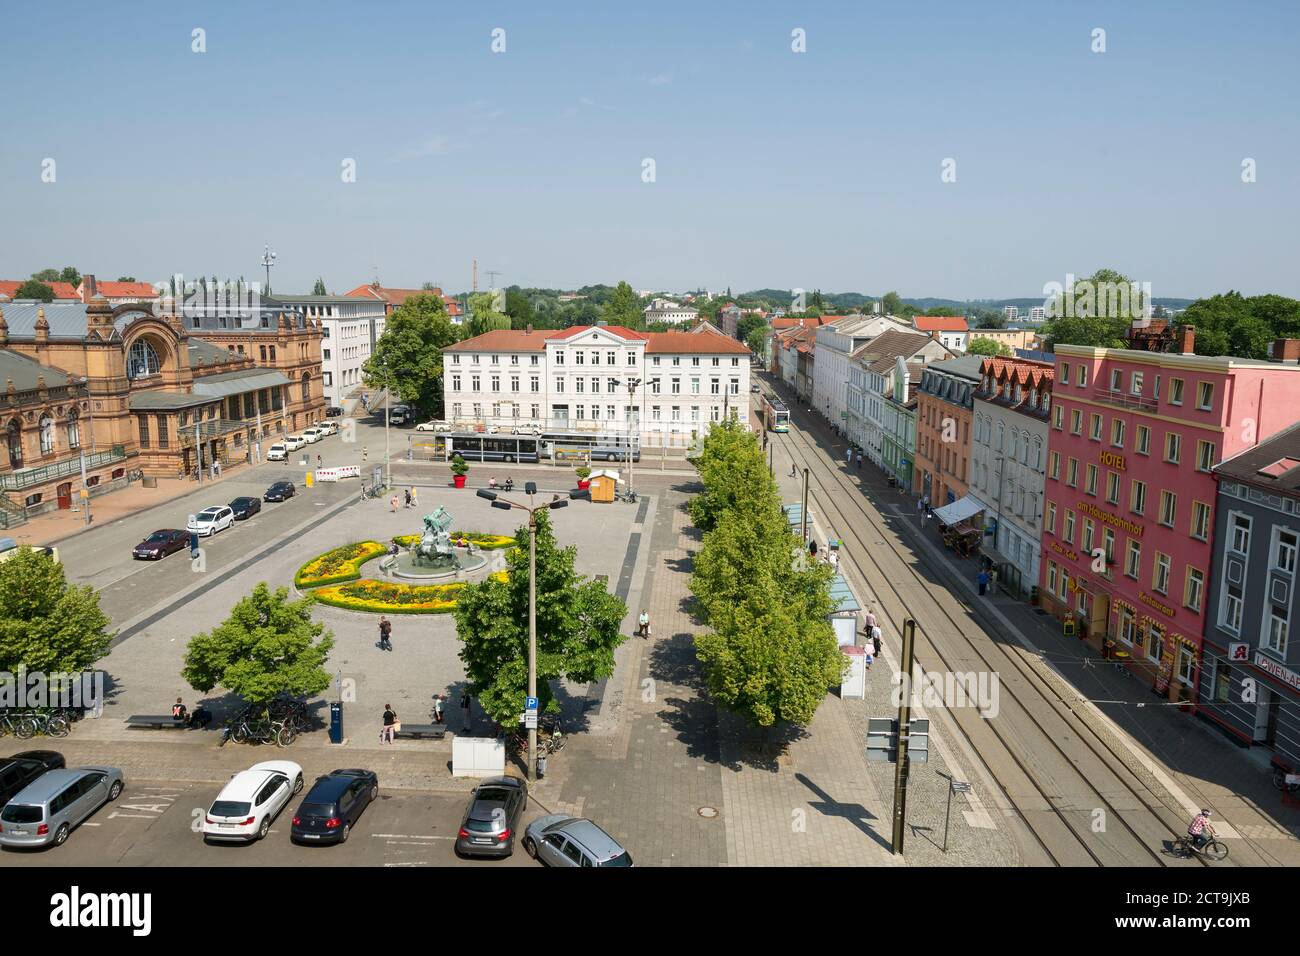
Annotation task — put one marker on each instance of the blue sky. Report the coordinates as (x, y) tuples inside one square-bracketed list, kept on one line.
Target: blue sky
[(773, 168)]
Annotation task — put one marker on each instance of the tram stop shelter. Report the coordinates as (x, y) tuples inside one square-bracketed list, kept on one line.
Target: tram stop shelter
[(844, 619), (794, 516)]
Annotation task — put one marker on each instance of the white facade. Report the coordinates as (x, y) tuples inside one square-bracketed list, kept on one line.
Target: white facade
[(835, 342), (663, 310), (879, 382), (350, 327), (578, 379)]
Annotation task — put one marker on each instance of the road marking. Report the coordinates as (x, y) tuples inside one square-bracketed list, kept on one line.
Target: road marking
[(409, 836), (416, 863)]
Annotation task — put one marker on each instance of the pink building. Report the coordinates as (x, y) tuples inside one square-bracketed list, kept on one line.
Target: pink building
[(1128, 509)]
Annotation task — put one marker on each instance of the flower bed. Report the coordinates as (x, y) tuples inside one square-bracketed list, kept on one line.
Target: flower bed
[(480, 539), (341, 564), (391, 598)]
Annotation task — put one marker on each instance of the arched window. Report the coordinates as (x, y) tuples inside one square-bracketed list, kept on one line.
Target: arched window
[(1001, 429), (306, 386), (47, 433), (74, 429), (142, 360), (14, 438), (1038, 454)]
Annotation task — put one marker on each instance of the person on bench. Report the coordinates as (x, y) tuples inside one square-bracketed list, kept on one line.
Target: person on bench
[(179, 713)]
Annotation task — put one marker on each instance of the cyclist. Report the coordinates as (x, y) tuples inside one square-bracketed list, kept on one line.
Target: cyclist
[(1199, 830)]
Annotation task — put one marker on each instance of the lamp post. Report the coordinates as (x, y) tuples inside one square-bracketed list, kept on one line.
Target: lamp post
[(388, 401), (81, 446), (268, 260), (632, 385), (530, 488)]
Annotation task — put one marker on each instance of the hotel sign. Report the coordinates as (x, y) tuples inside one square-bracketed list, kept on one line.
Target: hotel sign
[(1105, 517), (1150, 601), (1272, 667), (1112, 460)]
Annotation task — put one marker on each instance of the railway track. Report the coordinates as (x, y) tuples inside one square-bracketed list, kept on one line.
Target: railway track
[(1083, 804)]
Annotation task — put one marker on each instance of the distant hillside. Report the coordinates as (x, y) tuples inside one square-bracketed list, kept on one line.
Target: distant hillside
[(850, 300)]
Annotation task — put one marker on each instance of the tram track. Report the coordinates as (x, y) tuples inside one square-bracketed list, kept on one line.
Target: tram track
[(1083, 805)]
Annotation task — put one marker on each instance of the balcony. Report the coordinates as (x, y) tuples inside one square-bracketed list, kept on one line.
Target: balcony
[(1122, 399), (25, 478)]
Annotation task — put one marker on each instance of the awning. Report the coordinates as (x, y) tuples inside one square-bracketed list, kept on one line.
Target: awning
[(960, 510)]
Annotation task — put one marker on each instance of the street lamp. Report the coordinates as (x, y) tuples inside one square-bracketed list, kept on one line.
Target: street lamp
[(268, 260), (388, 401), (632, 385), (530, 488), (84, 382)]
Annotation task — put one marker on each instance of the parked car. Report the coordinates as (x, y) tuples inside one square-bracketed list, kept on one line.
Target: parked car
[(45, 811), (559, 840), (161, 543), (312, 435), (18, 771), (332, 806), (280, 491), (245, 507), (492, 817), (329, 428), (526, 430), (334, 411), (491, 430), (250, 800), (434, 427), (211, 520), (277, 452), (294, 442), (400, 415), (756, 388)]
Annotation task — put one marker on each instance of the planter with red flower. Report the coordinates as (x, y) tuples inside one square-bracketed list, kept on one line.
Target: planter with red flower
[(583, 473)]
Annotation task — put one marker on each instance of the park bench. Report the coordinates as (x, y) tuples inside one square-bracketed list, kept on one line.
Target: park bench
[(156, 722), (422, 731)]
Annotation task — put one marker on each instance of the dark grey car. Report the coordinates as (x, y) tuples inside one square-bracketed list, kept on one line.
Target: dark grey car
[(559, 840), (492, 817)]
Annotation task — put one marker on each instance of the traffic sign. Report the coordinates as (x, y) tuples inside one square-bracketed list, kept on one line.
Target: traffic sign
[(530, 703), (530, 720)]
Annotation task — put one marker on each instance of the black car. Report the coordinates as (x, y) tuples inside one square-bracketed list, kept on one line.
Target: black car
[(245, 507), (18, 771), (280, 491), (162, 543), (492, 817), (332, 806), (333, 411)]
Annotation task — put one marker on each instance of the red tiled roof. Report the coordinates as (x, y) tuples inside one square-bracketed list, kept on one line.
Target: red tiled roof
[(62, 290), (806, 322), (701, 341), (391, 296), (941, 323), (507, 340), (122, 290), (621, 331)]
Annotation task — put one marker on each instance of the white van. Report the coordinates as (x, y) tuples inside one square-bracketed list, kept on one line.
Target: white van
[(277, 452)]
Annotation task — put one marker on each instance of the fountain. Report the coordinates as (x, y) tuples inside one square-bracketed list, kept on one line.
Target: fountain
[(435, 556)]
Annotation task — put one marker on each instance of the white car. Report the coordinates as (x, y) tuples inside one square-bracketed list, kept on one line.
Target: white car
[(526, 430), (491, 430), (328, 427), (211, 520), (434, 427), (312, 435), (250, 800), (294, 442), (277, 452)]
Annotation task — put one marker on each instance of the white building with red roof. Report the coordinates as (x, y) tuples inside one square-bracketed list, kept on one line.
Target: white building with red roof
[(117, 293), (62, 290), (392, 298), (579, 378), (952, 329)]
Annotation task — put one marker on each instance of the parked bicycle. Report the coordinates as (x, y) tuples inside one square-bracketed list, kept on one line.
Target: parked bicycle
[(18, 724)]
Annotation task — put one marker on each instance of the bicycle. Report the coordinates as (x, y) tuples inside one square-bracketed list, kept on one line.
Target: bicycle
[(52, 724), (18, 724), (1279, 780), (1211, 850), (135, 474)]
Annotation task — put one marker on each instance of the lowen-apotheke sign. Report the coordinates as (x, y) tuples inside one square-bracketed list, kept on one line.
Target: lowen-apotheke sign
[(1270, 666)]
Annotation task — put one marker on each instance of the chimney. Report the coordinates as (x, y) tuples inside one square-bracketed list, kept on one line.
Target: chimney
[(88, 288), (935, 335), (602, 323), (1186, 340), (529, 329), (1287, 351)]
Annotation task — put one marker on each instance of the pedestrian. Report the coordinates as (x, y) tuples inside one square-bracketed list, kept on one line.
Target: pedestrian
[(318, 461), (868, 655), (794, 472), (391, 725), (365, 453), (385, 634), (871, 618), (876, 641), (812, 547), (464, 709), (437, 708), (834, 558), (644, 622), (415, 501), (859, 461), (983, 579), (393, 501), (848, 456), (408, 498), (920, 506)]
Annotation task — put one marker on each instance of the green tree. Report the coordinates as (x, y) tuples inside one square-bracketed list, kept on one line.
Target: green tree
[(985, 346), (734, 473), (519, 308), (408, 356), (428, 287), (1230, 324), (985, 318), (747, 324), (47, 624), (34, 289), (125, 278), (578, 623), (72, 277), (892, 303), (1097, 311), (757, 341), (319, 287), (624, 307), (483, 315), (48, 275), (269, 645)]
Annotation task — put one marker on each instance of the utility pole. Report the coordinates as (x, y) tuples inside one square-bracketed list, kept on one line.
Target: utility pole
[(904, 716), (198, 451), (388, 401), (268, 260), (803, 514)]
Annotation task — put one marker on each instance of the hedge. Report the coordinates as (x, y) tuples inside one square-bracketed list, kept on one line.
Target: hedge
[(341, 564), (393, 598)]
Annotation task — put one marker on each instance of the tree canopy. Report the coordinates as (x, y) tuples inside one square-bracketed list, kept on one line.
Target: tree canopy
[(1231, 324), (319, 287), (414, 337), (269, 645), (578, 623), (624, 307), (1097, 310), (483, 315), (985, 346), (34, 289), (47, 624)]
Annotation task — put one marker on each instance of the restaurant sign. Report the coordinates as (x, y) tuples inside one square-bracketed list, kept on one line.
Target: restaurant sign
[(1150, 601)]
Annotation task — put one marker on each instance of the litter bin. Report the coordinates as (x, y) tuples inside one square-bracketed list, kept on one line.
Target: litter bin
[(336, 722)]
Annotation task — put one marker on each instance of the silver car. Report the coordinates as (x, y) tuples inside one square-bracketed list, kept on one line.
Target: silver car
[(559, 840), (46, 811)]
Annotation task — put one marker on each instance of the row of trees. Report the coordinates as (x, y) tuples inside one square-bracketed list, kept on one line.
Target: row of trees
[(769, 654)]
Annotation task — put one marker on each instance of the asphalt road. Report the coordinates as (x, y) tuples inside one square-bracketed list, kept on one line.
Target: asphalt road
[(157, 823)]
